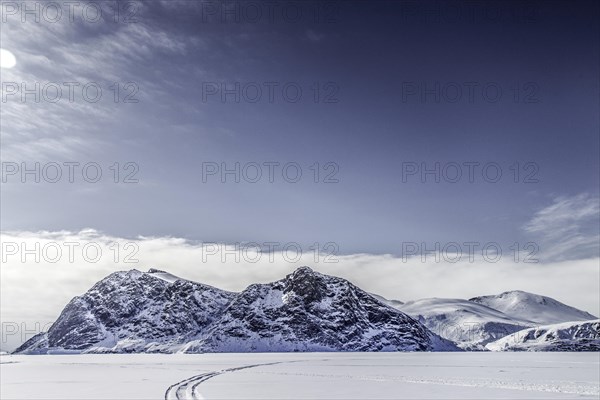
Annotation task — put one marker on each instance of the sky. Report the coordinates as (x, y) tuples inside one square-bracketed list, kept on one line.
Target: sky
[(381, 133)]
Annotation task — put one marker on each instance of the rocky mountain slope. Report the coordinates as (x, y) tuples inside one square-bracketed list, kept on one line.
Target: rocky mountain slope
[(133, 311), (308, 311)]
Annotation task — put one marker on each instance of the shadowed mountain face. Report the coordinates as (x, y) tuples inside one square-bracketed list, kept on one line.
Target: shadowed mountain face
[(156, 312)]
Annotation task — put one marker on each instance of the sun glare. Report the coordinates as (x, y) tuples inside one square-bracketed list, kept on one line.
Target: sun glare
[(7, 59)]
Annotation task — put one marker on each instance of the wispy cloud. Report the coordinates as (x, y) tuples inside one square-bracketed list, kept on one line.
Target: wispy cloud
[(103, 53), (568, 228)]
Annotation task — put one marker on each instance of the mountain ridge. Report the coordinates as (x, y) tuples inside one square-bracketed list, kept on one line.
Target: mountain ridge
[(133, 311), (155, 311)]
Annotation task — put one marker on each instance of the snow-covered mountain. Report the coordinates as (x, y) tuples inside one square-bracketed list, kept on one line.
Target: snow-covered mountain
[(309, 311), (533, 307), (466, 323), (473, 323), (566, 336), (157, 312), (133, 311)]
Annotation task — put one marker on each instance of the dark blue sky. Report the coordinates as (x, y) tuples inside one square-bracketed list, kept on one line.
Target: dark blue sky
[(387, 75)]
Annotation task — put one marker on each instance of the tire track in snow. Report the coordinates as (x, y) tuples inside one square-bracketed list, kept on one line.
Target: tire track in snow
[(183, 389), (188, 388)]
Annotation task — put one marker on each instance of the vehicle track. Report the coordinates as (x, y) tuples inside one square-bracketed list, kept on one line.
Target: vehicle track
[(188, 388)]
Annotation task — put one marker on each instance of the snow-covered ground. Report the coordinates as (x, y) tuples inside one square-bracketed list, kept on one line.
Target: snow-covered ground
[(303, 375)]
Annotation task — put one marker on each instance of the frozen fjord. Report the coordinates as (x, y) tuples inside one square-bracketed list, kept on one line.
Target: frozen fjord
[(302, 375)]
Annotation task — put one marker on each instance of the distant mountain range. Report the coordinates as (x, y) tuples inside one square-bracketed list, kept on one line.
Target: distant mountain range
[(468, 324), (155, 311), (474, 323), (532, 307)]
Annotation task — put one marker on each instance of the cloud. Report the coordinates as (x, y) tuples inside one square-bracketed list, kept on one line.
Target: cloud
[(33, 291), (78, 52), (568, 228)]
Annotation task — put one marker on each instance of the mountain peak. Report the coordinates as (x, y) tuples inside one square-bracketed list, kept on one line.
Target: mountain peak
[(154, 271), (519, 293), (303, 270), (306, 283), (532, 307)]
